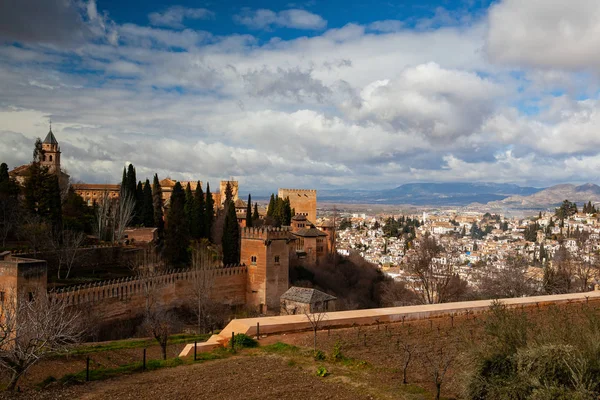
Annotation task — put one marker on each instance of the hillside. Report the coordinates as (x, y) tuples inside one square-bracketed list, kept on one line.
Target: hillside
[(551, 197), (433, 194)]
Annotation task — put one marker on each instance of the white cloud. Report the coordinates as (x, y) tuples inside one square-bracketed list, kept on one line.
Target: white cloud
[(293, 18), (545, 33), (174, 16)]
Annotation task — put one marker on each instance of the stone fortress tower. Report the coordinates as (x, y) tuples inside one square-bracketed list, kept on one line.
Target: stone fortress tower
[(303, 201), (51, 158)]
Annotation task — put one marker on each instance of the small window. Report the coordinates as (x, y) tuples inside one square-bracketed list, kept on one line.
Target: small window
[(30, 296), (253, 259), (50, 158), (276, 259), (1, 297), (44, 158)]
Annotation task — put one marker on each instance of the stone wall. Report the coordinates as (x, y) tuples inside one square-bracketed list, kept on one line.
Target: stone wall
[(303, 201), (125, 298)]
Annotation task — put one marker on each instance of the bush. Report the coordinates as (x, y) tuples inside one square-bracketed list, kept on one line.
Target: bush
[(318, 355), (336, 353), (322, 372), (241, 341)]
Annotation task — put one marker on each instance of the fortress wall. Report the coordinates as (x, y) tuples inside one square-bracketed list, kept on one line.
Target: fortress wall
[(126, 298)]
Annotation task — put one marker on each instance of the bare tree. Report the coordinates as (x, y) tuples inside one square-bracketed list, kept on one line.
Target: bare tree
[(122, 213), (161, 323), (509, 280), (34, 230), (201, 284), (33, 330), (315, 319), (431, 279), (66, 245), (408, 351), (437, 361), (102, 223)]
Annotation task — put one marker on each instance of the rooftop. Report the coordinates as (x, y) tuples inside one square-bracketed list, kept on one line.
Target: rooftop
[(306, 295)]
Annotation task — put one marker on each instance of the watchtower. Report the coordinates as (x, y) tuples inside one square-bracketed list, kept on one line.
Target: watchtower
[(266, 253), (303, 201), (21, 278)]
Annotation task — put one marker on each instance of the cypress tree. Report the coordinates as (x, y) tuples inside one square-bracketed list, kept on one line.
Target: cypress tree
[(131, 180), (198, 219), (271, 209), (3, 173), (189, 207), (139, 204), (177, 238), (231, 235), (249, 212), (255, 215), (287, 212), (228, 193), (147, 206), (124, 179), (157, 205), (209, 214)]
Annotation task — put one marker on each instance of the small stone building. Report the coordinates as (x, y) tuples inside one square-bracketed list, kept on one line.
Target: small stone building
[(299, 300)]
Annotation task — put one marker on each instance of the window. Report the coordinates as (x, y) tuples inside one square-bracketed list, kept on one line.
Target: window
[(253, 260), (30, 296), (1, 297), (50, 158), (44, 158), (276, 259)]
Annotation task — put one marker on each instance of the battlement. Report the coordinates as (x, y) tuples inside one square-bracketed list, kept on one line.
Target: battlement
[(299, 191), (266, 233)]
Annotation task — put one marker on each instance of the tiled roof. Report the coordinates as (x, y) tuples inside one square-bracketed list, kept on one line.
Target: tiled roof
[(306, 295), (50, 139), (310, 232)]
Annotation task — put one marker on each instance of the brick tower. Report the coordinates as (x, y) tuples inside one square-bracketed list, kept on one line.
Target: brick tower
[(266, 252), (51, 158)]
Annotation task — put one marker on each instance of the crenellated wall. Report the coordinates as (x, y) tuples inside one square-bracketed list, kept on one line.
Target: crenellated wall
[(303, 201), (126, 297)]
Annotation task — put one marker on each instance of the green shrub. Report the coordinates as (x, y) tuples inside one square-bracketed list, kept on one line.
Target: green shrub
[(280, 347), (318, 355), (241, 341), (322, 372), (336, 353)]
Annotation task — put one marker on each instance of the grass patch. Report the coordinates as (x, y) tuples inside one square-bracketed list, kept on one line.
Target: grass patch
[(413, 389), (280, 347), (135, 344)]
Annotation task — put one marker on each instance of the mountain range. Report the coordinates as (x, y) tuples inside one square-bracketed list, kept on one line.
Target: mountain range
[(493, 195)]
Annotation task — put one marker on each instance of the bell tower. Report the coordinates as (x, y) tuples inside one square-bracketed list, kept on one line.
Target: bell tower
[(51, 157)]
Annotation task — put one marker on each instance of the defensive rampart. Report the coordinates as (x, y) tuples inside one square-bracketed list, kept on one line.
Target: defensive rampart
[(126, 298)]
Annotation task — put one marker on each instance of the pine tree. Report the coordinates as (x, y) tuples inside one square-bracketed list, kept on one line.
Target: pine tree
[(271, 209), (147, 217), (177, 238), (231, 234), (287, 212), (198, 219), (157, 206), (209, 214), (255, 215), (249, 212)]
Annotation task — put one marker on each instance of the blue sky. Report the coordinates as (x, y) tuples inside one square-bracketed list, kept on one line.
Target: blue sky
[(316, 94)]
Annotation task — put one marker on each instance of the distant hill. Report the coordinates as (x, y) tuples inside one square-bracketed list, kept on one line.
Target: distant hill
[(432, 194), (551, 197)]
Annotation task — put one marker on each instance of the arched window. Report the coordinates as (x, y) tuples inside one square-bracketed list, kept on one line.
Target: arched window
[(50, 158)]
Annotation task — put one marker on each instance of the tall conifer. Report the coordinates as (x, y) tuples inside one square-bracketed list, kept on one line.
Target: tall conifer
[(189, 207), (177, 238), (271, 209), (209, 214), (231, 231), (249, 212), (198, 219), (157, 205), (147, 206), (255, 215)]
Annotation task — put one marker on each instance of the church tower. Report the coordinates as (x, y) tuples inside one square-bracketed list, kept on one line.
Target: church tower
[(51, 158)]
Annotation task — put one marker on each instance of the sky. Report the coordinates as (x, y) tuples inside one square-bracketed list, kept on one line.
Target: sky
[(358, 94)]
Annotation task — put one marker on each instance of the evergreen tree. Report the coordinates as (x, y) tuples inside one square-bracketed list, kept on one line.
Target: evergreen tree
[(131, 180), (287, 212), (209, 214), (157, 206), (228, 193), (271, 208), (147, 217), (124, 179), (249, 212), (198, 218), (177, 238), (189, 207), (255, 215), (3, 173), (139, 205), (231, 234)]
